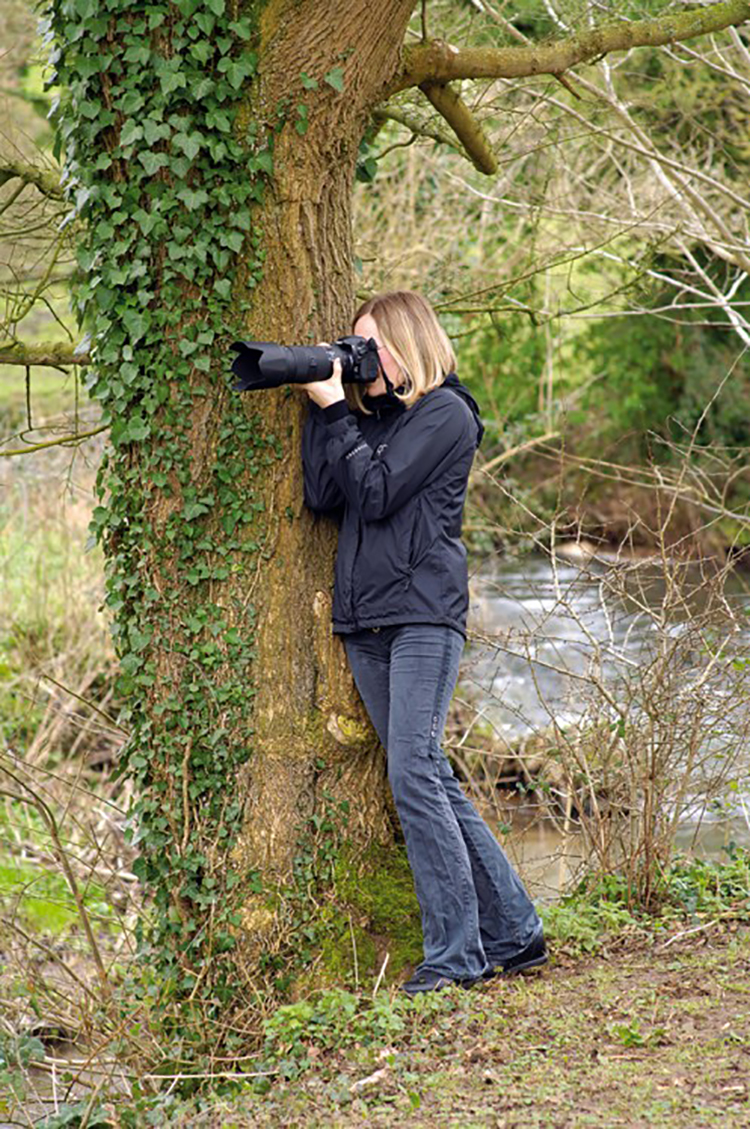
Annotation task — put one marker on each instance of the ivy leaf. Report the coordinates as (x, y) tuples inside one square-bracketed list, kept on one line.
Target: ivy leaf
[(136, 429), (137, 53), (218, 119), (223, 288), (216, 6), (152, 162), (217, 148), (131, 132), (367, 170), (180, 167), (241, 28), (85, 9), (193, 199), (205, 22), (155, 130), (242, 219), (335, 79), (261, 162), (233, 240), (204, 87), (136, 322), (309, 83), (131, 103), (172, 81), (190, 143), (202, 50), (139, 640)]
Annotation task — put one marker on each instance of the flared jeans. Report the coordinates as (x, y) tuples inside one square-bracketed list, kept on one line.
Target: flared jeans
[(475, 911)]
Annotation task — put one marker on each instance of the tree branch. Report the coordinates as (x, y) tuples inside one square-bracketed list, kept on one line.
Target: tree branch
[(47, 182), (65, 441), (440, 62), (413, 123), (53, 354), (466, 127)]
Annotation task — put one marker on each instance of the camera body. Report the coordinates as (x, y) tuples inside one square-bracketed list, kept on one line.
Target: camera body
[(262, 364)]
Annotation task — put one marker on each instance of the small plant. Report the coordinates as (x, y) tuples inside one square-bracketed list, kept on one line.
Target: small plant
[(76, 1116), (583, 925), (630, 1035), (296, 1033), (16, 1053), (703, 886)]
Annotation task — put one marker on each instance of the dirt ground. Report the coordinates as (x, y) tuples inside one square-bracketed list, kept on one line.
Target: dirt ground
[(657, 1035)]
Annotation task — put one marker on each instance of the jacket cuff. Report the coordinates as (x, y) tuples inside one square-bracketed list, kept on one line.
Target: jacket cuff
[(336, 411)]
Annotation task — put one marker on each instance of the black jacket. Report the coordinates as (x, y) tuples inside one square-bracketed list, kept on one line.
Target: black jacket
[(396, 483)]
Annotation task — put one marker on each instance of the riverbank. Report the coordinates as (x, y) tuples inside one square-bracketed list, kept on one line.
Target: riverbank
[(627, 509)]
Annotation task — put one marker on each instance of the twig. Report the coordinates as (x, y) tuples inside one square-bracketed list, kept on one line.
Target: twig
[(380, 976), (687, 932)]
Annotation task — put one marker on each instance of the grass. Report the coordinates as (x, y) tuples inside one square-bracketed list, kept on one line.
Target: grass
[(51, 590), (42, 900), (649, 1035)]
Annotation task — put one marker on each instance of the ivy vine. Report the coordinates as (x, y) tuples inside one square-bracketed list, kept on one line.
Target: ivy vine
[(164, 175)]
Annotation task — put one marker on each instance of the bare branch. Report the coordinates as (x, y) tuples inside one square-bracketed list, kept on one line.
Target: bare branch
[(48, 183), (437, 61), (64, 441), (53, 354), (466, 127), (417, 127)]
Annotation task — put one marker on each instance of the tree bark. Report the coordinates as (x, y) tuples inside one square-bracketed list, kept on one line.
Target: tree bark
[(313, 743)]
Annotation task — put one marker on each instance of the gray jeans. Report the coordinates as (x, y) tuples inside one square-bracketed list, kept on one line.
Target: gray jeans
[(475, 911)]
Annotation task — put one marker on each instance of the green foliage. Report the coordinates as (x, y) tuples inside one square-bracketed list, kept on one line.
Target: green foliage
[(661, 376), (701, 886), (43, 901), (631, 1035), (17, 1053), (163, 173), (598, 910), (583, 925), (337, 1019), (509, 354), (74, 1116)]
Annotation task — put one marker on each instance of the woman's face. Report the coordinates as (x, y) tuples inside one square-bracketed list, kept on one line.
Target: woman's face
[(366, 327)]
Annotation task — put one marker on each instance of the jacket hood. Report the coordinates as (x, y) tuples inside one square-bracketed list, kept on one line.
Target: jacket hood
[(452, 381), (388, 402)]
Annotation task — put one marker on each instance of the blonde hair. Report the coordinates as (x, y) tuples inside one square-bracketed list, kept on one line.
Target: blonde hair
[(409, 329)]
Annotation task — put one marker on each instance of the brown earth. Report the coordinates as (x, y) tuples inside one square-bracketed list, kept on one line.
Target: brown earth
[(653, 1035)]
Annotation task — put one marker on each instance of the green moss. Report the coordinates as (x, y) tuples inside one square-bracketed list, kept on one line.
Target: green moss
[(378, 887), (338, 957)]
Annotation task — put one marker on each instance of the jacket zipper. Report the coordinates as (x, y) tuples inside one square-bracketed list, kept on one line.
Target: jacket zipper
[(354, 562)]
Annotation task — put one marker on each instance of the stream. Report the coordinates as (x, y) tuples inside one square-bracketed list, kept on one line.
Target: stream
[(538, 633)]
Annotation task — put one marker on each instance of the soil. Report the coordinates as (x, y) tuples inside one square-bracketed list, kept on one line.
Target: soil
[(653, 1035)]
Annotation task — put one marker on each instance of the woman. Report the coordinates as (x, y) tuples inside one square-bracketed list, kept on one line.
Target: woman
[(393, 468)]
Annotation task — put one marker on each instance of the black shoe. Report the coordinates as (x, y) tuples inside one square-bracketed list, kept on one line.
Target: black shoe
[(432, 982), (533, 956)]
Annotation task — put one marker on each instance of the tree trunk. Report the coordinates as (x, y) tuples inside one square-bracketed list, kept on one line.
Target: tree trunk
[(259, 777), (315, 753), (312, 735)]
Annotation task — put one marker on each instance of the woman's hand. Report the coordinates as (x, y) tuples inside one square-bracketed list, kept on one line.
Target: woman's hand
[(326, 392)]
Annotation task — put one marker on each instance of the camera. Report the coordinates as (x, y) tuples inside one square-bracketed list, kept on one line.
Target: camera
[(261, 364)]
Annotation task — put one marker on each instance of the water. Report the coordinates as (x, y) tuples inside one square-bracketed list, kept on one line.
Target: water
[(553, 643)]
